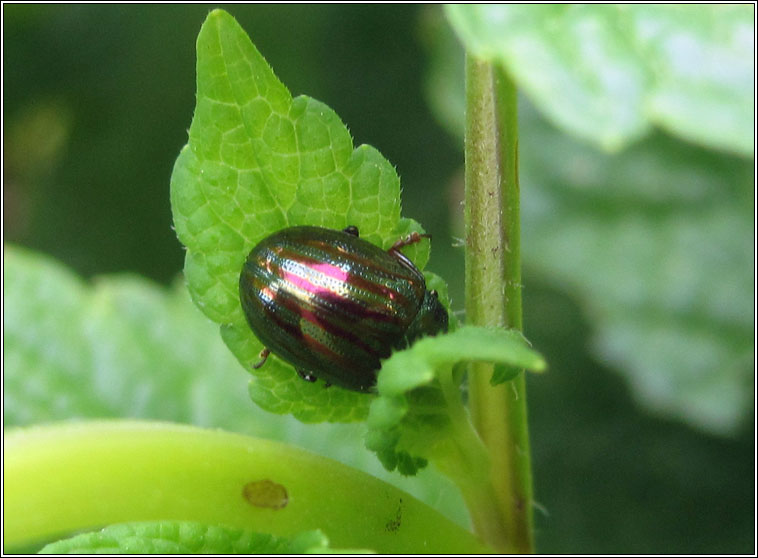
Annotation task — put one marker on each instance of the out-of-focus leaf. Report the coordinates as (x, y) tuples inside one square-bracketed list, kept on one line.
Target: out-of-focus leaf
[(444, 84), (125, 348), (607, 73), (185, 537), (658, 243), (45, 352)]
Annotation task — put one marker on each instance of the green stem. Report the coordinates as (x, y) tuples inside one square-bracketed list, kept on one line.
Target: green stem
[(467, 464), (71, 476), (493, 298)]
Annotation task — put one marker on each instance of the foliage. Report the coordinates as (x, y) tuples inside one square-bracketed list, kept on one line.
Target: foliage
[(175, 537), (259, 160), (124, 347), (655, 240), (619, 70)]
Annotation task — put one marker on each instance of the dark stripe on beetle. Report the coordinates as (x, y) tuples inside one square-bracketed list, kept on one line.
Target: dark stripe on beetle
[(334, 330), (379, 318), (375, 308), (321, 317), (400, 303), (370, 263), (309, 347), (273, 292), (374, 266), (346, 362), (363, 280), (349, 303), (339, 325)]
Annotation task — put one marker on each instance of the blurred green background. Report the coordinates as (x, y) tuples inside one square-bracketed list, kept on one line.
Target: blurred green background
[(97, 102)]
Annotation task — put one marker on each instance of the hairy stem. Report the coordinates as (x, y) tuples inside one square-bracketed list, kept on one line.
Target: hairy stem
[(493, 298)]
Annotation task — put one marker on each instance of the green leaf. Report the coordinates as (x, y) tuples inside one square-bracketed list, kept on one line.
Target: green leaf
[(609, 73), (258, 161), (415, 367), (418, 415), (186, 537), (658, 244)]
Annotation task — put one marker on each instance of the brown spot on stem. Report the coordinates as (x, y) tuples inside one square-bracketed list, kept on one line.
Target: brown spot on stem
[(265, 494), (394, 524)]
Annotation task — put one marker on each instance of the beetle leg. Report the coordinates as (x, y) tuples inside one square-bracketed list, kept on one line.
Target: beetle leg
[(307, 376), (264, 355), (351, 229), (412, 238)]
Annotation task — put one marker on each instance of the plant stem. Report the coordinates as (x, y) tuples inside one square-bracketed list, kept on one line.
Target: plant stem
[(71, 476), (493, 298)]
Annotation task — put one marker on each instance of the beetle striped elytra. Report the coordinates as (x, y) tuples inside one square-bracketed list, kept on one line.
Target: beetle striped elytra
[(334, 305)]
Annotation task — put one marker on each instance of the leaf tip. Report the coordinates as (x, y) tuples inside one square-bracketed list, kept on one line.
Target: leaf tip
[(539, 366), (218, 13)]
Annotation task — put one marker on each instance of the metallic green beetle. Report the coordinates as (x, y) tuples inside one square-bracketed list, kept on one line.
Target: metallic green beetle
[(334, 305)]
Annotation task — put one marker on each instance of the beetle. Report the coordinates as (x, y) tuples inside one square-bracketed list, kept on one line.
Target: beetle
[(334, 305)]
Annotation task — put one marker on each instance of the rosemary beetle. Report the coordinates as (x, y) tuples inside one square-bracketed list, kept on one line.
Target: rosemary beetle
[(334, 305)]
